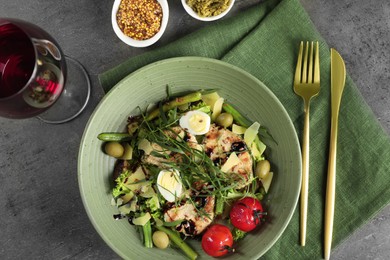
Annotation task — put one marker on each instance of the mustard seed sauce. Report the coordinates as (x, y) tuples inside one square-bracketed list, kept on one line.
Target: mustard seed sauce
[(139, 19)]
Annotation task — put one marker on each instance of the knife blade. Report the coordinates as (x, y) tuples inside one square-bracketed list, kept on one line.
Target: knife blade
[(337, 83)]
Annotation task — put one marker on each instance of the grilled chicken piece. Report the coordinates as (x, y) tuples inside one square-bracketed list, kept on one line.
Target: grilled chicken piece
[(120, 166), (158, 161), (243, 171), (179, 134), (219, 143), (195, 220)]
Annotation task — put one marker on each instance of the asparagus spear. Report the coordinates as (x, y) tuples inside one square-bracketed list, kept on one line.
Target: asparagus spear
[(178, 101), (147, 235), (179, 242), (240, 119), (118, 137), (192, 97), (243, 121)]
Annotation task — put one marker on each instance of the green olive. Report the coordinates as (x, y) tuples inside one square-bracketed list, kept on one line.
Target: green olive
[(160, 239), (262, 169), (114, 149), (224, 120)]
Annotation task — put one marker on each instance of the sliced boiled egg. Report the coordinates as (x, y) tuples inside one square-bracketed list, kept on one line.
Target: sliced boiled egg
[(169, 184), (195, 122)]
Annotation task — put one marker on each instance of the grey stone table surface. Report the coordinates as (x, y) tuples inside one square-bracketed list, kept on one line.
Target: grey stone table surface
[(42, 216)]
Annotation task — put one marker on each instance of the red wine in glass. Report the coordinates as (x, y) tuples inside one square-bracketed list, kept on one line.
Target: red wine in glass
[(17, 58), (33, 71)]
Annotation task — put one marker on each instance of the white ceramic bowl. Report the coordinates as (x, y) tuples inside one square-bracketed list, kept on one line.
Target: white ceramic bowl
[(191, 12), (140, 43)]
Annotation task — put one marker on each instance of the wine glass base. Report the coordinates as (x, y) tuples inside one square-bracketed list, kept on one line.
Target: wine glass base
[(74, 97)]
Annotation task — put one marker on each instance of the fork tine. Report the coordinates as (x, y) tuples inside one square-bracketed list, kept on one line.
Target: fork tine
[(310, 69), (317, 65), (298, 69), (304, 66)]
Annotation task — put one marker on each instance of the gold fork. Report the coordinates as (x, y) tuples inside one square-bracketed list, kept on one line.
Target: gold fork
[(306, 85)]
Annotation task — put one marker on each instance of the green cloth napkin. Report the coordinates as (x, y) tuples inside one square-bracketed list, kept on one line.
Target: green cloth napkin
[(264, 40)]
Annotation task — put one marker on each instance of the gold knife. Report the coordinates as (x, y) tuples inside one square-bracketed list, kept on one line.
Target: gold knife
[(337, 74)]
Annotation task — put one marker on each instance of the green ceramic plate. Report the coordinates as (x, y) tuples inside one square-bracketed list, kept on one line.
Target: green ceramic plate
[(148, 85)]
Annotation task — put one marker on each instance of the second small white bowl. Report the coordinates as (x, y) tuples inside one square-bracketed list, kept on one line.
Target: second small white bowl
[(140, 43), (191, 12)]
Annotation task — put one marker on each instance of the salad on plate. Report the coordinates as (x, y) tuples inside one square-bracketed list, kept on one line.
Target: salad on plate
[(190, 166)]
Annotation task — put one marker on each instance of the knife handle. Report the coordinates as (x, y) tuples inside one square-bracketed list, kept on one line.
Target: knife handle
[(330, 187)]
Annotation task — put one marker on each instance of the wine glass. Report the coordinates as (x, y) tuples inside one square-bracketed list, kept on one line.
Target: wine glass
[(33, 73)]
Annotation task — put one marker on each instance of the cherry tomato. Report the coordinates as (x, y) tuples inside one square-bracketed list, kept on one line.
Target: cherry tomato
[(217, 240), (246, 214)]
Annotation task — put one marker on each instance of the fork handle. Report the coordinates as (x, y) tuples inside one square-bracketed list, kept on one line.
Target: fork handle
[(305, 173)]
